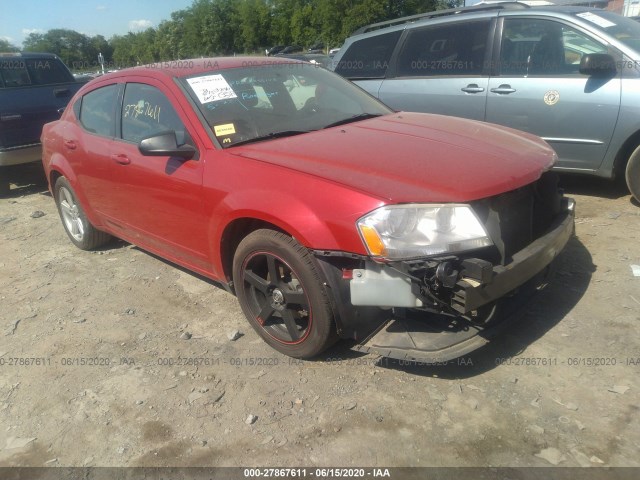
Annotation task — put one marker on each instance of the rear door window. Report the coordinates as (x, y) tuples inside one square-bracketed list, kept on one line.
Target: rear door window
[(454, 49), (97, 111), (48, 71), (21, 72), (14, 73)]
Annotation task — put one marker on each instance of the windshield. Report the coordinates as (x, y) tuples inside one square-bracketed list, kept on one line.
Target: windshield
[(256, 103), (624, 29)]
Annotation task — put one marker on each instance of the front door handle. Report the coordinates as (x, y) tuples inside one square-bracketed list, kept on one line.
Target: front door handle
[(61, 92), (503, 89), (120, 158), (472, 88)]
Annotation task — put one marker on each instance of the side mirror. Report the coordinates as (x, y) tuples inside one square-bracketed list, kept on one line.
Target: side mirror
[(165, 145), (598, 64)]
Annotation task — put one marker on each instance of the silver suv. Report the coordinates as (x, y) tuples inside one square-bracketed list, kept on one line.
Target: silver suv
[(568, 74)]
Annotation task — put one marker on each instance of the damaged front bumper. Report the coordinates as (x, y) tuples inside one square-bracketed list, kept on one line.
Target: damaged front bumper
[(390, 307)]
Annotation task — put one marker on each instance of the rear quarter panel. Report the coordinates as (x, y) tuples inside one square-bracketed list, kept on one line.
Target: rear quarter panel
[(56, 163)]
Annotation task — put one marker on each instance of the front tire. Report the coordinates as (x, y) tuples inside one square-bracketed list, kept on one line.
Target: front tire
[(280, 290), (80, 231), (5, 187), (632, 174)]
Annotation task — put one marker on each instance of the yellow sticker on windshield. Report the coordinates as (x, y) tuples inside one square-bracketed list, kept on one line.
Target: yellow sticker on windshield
[(226, 129)]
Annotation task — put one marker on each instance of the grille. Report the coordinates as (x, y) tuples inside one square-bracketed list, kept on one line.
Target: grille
[(514, 219)]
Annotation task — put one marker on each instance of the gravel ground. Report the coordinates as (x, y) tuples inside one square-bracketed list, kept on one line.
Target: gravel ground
[(117, 358)]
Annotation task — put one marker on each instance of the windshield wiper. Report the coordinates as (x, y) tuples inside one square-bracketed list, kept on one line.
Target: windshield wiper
[(269, 136), (355, 118)]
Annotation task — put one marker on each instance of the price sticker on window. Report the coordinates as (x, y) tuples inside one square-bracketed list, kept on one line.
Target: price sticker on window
[(211, 88)]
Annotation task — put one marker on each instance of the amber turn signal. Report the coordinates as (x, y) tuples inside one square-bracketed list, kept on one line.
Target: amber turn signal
[(373, 241)]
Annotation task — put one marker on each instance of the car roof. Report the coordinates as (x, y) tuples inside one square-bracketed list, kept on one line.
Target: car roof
[(194, 66), (301, 56), (27, 55), (478, 9)]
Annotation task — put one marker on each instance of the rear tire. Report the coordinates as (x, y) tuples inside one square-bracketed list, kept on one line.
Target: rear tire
[(80, 231), (281, 293), (632, 174)]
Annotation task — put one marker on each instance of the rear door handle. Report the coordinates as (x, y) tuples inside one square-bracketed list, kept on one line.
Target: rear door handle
[(120, 158), (70, 144), (472, 88), (503, 89)]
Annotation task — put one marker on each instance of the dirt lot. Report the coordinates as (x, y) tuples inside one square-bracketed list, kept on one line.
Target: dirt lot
[(90, 372)]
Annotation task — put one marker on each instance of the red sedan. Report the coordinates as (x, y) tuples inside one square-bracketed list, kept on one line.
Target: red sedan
[(325, 212)]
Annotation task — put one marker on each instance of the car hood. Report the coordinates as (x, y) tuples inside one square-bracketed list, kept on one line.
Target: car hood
[(413, 157)]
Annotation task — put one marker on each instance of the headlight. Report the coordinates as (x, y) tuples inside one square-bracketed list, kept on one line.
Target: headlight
[(416, 230)]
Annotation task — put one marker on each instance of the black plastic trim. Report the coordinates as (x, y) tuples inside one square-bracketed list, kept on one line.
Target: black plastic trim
[(526, 263)]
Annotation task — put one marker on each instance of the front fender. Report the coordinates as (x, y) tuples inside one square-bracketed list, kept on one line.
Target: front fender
[(325, 222)]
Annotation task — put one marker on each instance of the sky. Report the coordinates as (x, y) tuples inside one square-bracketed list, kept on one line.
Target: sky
[(91, 17)]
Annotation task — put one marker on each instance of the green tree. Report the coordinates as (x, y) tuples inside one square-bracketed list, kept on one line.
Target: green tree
[(224, 27), (72, 47), (253, 20), (219, 28), (99, 44), (37, 42), (135, 49), (363, 13), (6, 46), (327, 19), (403, 8), (281, 12), (77, 50), (301, 27), (207, 28), (169, 39)]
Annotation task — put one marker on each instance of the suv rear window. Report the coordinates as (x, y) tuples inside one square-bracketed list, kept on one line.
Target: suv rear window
[(368, 58), (23, 72)]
